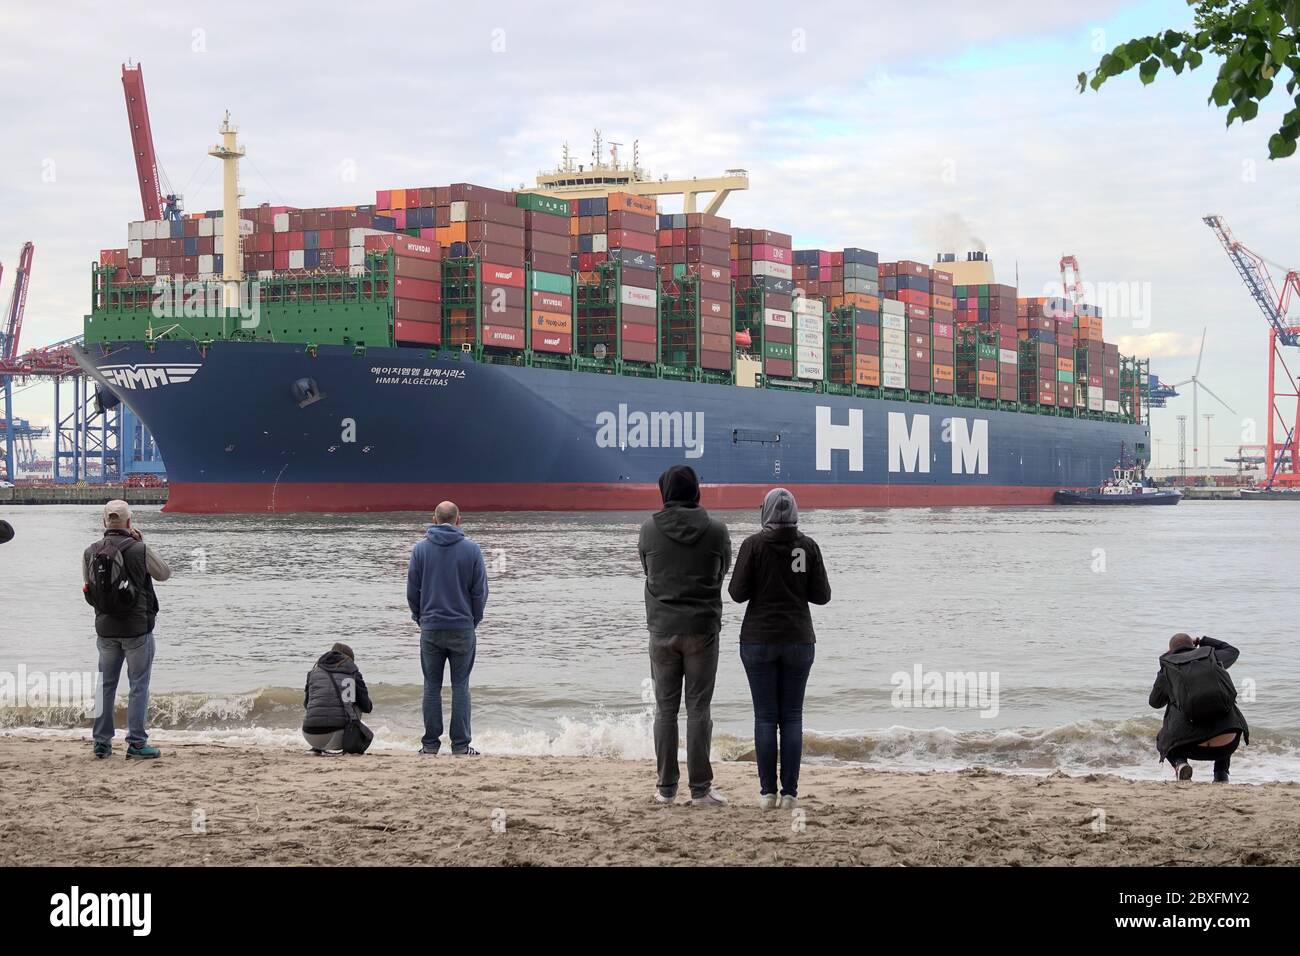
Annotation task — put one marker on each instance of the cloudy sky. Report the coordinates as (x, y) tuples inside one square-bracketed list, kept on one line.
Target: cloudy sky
[(897, 127)]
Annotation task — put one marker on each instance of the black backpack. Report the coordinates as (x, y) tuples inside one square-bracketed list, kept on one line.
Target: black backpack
[(110, 589), (1200, 686)]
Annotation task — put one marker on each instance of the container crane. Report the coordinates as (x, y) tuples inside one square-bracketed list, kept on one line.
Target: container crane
[(1281, 456), (157, 204), (1071, 282), (9, 334)]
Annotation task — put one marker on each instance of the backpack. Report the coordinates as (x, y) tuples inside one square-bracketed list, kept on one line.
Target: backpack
[(1200, 686), (110, 589)]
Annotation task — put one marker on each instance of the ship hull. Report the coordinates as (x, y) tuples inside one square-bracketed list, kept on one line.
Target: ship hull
[(396, 430)]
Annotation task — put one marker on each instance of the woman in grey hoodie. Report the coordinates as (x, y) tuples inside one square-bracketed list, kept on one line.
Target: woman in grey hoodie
[(779, 571)]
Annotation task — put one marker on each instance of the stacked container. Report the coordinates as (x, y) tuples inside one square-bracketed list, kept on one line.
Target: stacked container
[(549, 293), (908, 282), (764, 281), (1089, 359), (417, 287), (991, 309), (893, 340), (942, 332), (1040, 382), (810, 339), (696, 273)]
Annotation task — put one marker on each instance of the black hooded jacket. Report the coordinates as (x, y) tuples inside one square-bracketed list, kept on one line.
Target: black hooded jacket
[(686, 555), (1178, 730), (325, 713), (779, 571)]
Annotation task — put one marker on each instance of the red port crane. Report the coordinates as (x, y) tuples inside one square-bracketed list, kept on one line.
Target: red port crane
[(1071, 282), (1281, 456), (13, 325), (157, 204)]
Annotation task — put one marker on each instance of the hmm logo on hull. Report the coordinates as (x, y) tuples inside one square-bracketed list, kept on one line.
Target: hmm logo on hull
[(909, 443), (147, 376), (624, 429)]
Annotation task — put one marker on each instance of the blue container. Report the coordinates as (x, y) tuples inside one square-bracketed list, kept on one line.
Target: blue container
[(218, 262), (311, 259), (806, 257), (192, 247), (573, 258), (386, 223), (599, 206), (459, 250), (1042, 337), (665, 221), (584, 243), (427, 217), (861, 256), (311, 239), (584, 207)]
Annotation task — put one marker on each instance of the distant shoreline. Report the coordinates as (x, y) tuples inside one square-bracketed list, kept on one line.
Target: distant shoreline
[(207, 804)]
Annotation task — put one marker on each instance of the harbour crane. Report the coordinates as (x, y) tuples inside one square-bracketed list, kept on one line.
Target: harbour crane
[(1282, 458), (157, 203), (9, 334)]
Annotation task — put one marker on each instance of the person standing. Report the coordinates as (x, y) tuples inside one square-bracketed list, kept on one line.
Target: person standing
[(118, 572), (447, 590), (1202, 720), (779, 571), (685, 554)]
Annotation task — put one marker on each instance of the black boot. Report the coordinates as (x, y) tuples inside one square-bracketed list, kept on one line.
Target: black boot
[(1221, 767)]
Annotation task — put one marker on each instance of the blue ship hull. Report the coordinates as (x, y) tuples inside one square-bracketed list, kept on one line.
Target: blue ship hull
[(394, 430)]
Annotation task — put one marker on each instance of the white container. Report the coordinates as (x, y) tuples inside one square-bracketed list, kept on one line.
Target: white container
[(893, 350), (246, 227), (810, 338), (218, 244), (459, 211), (892, 307), (806, 354), (810, 323), (356, 270), (297, 259), (134, 230), (632, 295), (894, 365), (1095, 404), (772, 270), (893, 380), (1007, 356), (134, 248), (893, 323), (804, 306), (149, 266), (281, 222), (1111, 407), (811, 371), (893, 336), (600, 242), (206, 226), (778, 317), (206, 264), (149, 229)]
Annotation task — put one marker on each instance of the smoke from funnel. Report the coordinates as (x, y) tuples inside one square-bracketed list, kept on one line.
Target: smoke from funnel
[(952, 233)]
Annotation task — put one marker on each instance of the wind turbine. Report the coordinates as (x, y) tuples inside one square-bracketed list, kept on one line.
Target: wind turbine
[(1197, 385)]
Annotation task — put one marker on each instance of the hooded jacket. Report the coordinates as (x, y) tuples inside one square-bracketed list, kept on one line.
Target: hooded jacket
[(325, 713), (1178, 730), (446, 582), (685, 554), (779, 571)]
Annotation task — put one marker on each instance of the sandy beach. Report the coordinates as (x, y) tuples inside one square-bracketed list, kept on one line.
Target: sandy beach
[(209, 805)]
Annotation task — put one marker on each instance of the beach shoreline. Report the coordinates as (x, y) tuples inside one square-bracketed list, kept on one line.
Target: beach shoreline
[(210, 804)]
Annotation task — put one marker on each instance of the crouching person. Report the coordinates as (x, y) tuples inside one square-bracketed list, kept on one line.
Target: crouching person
[(334, 697), (1202, 720)]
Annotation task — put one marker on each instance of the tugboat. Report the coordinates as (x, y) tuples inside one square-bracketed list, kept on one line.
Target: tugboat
[(1128, 485)]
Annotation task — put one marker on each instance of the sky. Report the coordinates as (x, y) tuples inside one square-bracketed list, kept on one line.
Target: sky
[(908, 129)]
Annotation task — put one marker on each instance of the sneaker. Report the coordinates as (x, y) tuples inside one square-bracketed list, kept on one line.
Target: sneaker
[(714, 798), (143, 753), (430, 751), (102, 750), (467, 752), (1220, 777), (767, 801), (1183, 770), (665, 796), (788, 802)]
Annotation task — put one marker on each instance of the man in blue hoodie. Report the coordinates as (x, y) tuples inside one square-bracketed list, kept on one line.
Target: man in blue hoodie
[(446, 587)]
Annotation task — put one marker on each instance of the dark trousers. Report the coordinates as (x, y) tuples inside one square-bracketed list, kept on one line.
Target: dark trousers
[(778, 676), (438, 648), (690, 660), (1221, 755)]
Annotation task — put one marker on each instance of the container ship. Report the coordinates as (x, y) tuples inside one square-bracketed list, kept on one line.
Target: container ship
[(557, 348)]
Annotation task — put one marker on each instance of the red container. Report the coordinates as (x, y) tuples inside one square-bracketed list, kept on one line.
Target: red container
[(405, 245), (419, 289), (716, 343), (408, 332), (782, 368), (720, 360), (496, 297), (715, 309), (639, 332), (715, 326), (639, 351), (416, 310), (508, 337), (494, 252), (642, 314), (407, 268), (626, 239), (552, 302), (494, 274), (552, 342)]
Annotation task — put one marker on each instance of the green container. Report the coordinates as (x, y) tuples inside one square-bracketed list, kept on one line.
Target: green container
[(679, 270), (413, 232), (553, 282), (1065, 377), (779, 350), (988, 351), (539, 203)]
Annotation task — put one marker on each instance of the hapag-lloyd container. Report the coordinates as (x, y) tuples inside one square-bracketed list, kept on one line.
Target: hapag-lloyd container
[(632, 295)]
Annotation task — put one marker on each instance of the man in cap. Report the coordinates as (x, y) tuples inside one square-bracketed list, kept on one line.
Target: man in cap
[(118, 573)]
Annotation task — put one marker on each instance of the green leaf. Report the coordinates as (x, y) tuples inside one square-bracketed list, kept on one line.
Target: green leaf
[(1279, 147), (1195, 59), (1249, 110), (1083, 82), (1148, 70)]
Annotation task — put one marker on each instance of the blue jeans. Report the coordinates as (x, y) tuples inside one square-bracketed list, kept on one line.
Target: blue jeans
[(436, 649), (778, 676), (137, 652)]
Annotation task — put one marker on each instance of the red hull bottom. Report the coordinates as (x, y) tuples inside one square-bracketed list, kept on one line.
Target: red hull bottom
[(240, 497)]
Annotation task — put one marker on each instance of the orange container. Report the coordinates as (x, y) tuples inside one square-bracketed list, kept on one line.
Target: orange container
[(869, 363), (398, 198), (868, 377), (943, 373), (630, 203), (1065, 365), (552, 322), (989, 378)]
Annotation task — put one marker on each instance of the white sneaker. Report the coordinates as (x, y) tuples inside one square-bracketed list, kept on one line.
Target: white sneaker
[(788, 802), (714, 798), (767, 801), (660, 797)]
